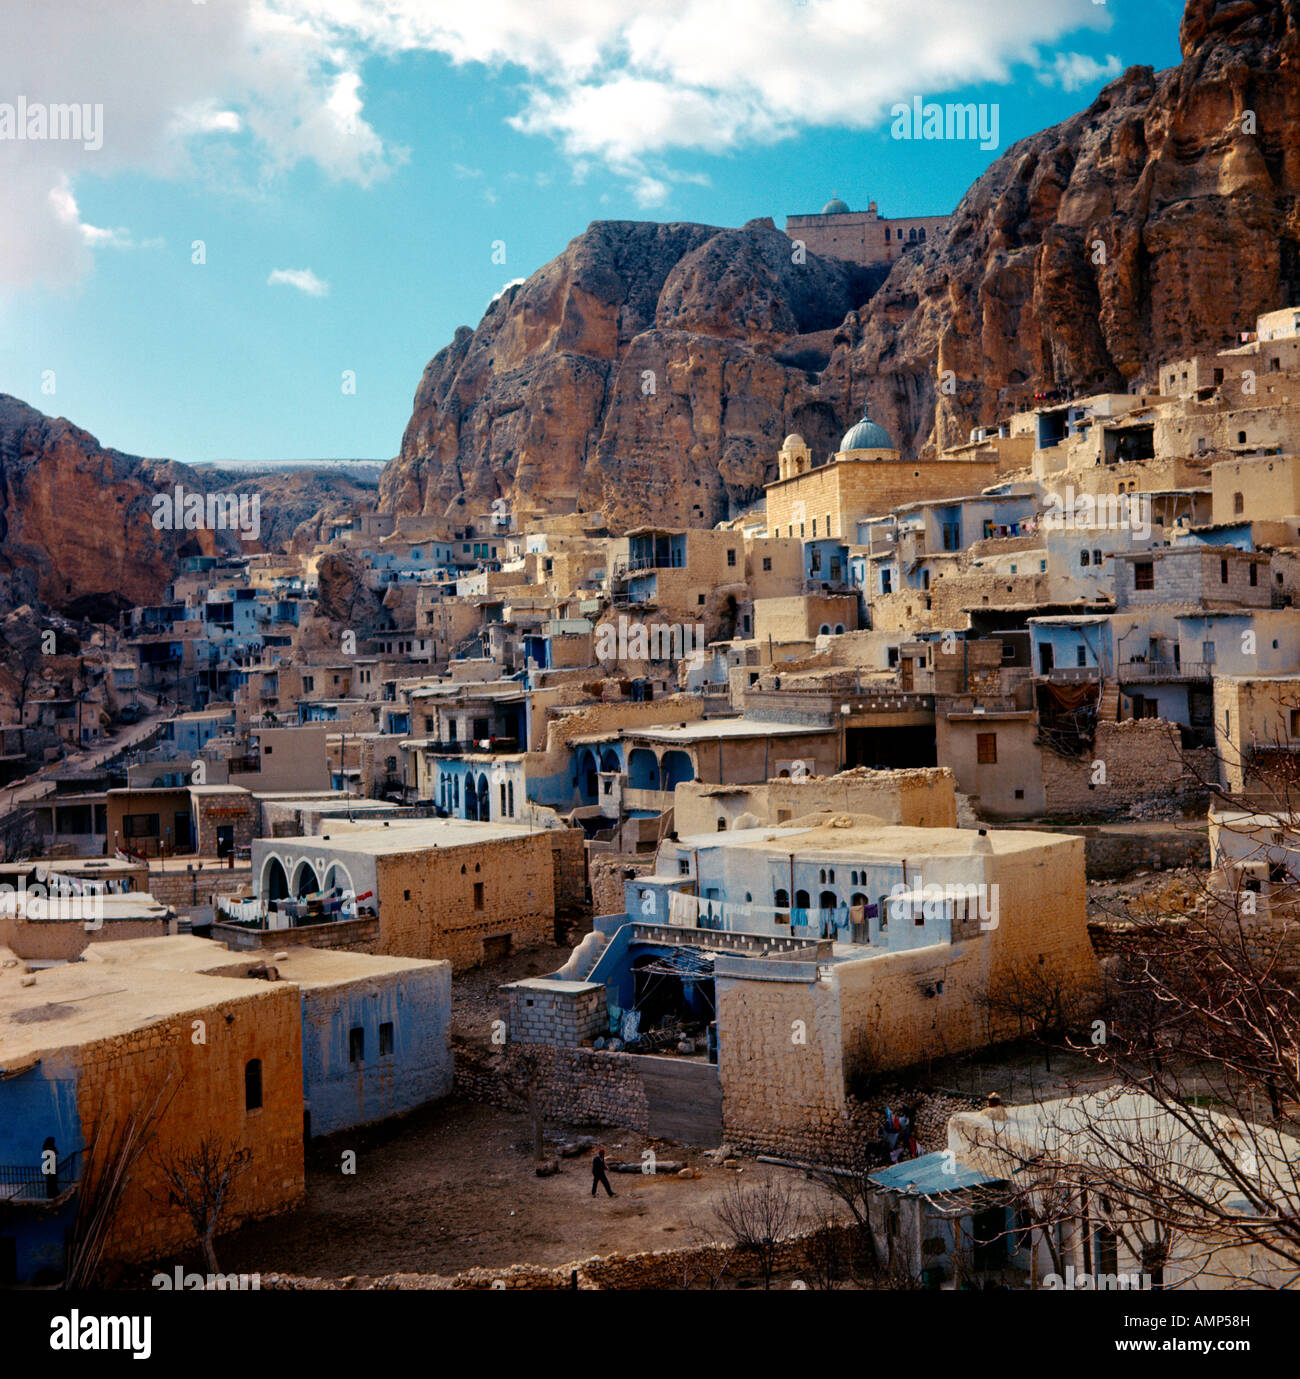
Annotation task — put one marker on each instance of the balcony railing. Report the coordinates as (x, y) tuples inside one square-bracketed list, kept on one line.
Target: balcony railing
[(27, 1184), (1149, 672), (1072, 675)]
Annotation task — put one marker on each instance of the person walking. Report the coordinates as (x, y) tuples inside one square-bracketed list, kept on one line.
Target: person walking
[(598, 1174)]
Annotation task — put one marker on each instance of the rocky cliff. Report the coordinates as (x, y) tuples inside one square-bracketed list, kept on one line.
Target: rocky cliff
[(650, 371), (76, 520), (1157, 222)]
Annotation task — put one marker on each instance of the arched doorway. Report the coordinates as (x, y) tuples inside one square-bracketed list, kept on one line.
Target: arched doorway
[(484, 800), (305, 880), (587, 776), (275, 884), (676, 768), (642, 770)]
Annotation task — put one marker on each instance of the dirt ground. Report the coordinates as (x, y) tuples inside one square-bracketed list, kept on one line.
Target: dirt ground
[(452, 1187)]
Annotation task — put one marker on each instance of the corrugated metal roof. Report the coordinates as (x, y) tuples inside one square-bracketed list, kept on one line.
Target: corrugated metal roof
[(929, 1176)]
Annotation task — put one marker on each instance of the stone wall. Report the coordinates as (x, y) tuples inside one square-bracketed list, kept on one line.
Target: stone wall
[(569, 858), (675, 1268), (205, 1081), (575, 1086), (540, 1014), (452, 902), (608, 876), (345, 935), (190, 890), (1137, 764)]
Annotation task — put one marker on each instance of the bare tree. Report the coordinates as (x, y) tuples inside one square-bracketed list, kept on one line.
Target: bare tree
[(200, 1179), (759, 1221), (1043, 1002)]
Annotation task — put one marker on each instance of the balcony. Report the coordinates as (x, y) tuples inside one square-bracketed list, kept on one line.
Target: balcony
[(1157, 672), (1072, 675), (24, 1185)]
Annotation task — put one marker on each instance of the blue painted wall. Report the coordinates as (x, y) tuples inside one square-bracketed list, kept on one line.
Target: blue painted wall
[(33, 1105), (340, 1092)]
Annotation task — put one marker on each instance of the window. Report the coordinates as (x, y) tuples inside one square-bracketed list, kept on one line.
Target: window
[(140, 826), (731, 557), (1080, 656), (683, 866), (986, 749), (700, 599), (1238, 503), (1223, 572), (253, 1085), (1096, 557), (356, 1045), (1254, 574), (814, 533), (1084, 558), (781, 900), (1144, 574), (767, 562), (385, 1038), (1241, 438), (478, 895)]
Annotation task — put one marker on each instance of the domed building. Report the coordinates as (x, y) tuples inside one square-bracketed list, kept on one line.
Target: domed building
[(867, 439), (862, 237), (866, 477)]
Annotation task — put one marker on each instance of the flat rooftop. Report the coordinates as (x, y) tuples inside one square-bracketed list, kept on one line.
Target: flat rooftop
[(405, 835), (303, 966), (863, 839), (706, 730), (84, 1002)]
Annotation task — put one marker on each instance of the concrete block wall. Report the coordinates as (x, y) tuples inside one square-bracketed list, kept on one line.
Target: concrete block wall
[(564, 1019)]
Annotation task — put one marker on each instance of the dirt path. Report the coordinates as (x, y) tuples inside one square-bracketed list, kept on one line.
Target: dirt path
[(452, 1187)]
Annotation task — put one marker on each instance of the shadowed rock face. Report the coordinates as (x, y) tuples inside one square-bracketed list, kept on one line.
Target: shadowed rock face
[(1192, 202), (648, 372), (76, 521), (1156, 223)]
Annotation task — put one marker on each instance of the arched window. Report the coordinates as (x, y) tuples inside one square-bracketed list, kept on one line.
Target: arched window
[(722, 825), (825, 629), (510, 798), (253, 1085), (829, 900), (801, 900), (781, 900)]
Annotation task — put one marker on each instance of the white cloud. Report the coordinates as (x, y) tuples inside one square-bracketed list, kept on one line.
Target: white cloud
[(616, 82), (505, 287), (1073, 71), (301, 278)]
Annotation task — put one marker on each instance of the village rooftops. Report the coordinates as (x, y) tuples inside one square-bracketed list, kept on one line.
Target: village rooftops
[(706, 730), (305, 967), (87, 1002), (376, 840), (866, 839), (472, 689)]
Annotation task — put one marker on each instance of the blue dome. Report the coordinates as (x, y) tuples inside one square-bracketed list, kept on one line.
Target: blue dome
[(866, 435), (835, 207)]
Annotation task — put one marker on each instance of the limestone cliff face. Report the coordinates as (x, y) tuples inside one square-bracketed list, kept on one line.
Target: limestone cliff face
[(1158, 222), (649, 372), (76, 527), (76, 523)]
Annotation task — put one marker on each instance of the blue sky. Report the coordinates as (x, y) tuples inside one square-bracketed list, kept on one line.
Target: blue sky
[(372, 152)]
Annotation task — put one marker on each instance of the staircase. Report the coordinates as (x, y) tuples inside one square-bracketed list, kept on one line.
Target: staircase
[(1108, 704)]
